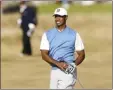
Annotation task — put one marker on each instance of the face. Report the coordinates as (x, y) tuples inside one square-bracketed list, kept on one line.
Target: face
[(22, 5), (60, 20)]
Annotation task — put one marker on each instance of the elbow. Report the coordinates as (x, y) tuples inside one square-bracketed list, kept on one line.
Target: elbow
[(44, 54), (43, 57), (83, 56)]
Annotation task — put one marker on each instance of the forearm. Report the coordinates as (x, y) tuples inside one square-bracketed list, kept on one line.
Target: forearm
[(80, 57), (49, 60), (79, 60)]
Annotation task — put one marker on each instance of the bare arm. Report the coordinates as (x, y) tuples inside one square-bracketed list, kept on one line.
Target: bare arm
[(50, 60), (46, 57), (80, 57)]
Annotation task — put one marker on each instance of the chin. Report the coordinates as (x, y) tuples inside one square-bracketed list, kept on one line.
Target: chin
[(59, 25)]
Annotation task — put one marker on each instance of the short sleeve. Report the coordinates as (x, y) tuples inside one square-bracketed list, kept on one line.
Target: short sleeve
[(78, 43), (44, 45)]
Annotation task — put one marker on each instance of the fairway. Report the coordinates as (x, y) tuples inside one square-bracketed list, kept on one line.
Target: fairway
[(32, 72)]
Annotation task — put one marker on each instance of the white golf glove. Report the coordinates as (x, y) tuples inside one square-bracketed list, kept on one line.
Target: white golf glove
[(29, 33), (19, 21), (31, 26), (31, 29)]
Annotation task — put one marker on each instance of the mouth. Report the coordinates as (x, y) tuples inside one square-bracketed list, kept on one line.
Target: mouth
[(58, 22)]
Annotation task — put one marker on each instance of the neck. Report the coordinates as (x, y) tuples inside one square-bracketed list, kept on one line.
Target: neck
[(61, 27)]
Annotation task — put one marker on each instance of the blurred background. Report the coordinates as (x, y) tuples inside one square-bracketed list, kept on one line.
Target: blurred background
[(92, 19)]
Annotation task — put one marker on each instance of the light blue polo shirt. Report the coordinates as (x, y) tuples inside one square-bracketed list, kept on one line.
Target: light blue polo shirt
[(62, 44)]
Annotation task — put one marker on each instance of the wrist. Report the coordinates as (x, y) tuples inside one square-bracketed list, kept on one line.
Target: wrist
[(56, 63)]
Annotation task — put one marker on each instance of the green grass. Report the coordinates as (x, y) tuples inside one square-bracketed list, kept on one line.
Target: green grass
[(97, 8)]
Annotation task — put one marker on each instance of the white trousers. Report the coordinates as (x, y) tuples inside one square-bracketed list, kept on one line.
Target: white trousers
[(60, 80)]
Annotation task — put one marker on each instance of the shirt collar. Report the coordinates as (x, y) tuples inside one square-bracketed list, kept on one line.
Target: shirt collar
[(60, 30)]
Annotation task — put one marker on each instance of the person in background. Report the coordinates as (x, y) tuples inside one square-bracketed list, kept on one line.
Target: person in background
[(65, 4), (28, 23)]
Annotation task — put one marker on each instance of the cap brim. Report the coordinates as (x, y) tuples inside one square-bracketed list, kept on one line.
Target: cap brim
[(59, 15)]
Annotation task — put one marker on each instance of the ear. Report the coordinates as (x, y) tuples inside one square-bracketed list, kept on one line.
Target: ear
[(66, 17)]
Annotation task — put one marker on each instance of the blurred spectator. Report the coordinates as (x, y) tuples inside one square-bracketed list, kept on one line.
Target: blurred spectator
[(65, 4), (27, 22), (58, 1)]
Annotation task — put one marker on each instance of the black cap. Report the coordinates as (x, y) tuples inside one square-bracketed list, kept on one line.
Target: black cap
[(23, 2)]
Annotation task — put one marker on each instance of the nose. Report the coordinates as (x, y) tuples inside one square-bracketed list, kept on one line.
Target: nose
[(57, 18)]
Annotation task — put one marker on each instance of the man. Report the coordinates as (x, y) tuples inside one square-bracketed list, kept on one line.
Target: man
[(27, 22), (58, 46)]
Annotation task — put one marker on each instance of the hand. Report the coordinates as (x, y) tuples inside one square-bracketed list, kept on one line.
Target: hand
[(62, 65), (19, 21), (31, 26), (29, 33), (70, 69)]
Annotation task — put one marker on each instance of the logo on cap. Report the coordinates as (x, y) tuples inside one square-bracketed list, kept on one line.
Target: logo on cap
[(58, 10)]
